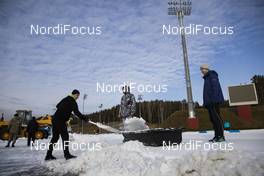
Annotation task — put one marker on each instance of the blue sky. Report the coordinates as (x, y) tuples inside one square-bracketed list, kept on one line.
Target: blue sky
[(38, 70)]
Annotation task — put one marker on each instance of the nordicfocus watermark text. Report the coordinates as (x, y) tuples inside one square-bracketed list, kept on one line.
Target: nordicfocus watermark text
[(64, 29), (198, 145), (196, 29), (72, 145), (134, 87)]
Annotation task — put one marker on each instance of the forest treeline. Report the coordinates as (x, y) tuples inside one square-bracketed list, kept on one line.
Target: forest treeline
[(157, 111), (153, 111)]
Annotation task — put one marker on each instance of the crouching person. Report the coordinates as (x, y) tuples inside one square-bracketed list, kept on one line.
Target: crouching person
[(59, 123)]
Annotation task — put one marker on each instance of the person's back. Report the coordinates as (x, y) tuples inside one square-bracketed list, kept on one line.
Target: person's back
[(65, 108), (212, 92), (15, 125), (14, 129), (32, 125)]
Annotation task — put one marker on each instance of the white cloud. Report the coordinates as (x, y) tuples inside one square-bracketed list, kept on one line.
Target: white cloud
[(39, 70)]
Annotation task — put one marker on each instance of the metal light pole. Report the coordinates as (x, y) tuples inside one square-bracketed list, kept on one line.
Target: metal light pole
[(183, 8), (100, 117), (84, 98), (100, 107), (139, 99)]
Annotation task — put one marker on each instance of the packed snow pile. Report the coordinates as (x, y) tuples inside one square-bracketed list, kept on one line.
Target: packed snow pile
[(135, 124), (108, 155), (134, 159)]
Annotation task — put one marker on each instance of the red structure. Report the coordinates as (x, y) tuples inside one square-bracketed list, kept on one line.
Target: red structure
[(193, 123), (244, 112)]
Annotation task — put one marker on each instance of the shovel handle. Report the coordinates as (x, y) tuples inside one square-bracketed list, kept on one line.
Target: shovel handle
[(92, 122)]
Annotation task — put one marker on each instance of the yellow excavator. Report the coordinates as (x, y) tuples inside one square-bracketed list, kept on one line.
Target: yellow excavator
[(44, 125)]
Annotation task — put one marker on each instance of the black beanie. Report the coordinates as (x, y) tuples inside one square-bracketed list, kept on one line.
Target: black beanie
[(75, 91)]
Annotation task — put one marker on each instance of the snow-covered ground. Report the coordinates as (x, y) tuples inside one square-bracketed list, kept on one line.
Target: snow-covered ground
[(106, 154)]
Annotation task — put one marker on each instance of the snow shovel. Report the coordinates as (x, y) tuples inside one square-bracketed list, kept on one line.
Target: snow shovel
[(105, 127)]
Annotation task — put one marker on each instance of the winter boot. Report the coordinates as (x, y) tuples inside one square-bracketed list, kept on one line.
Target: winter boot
[(69, 156), (220, 139), (213, 140), (49, 156)]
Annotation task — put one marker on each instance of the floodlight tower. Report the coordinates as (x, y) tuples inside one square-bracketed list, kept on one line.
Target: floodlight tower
[(84, 98), (100, 115), (140, 97), (183, 8)]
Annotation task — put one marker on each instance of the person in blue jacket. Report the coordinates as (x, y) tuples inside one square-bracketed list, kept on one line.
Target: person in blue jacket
[(212, 98)]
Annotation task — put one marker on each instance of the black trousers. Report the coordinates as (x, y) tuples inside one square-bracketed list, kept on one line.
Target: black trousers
[(215, 118), (59, 129), (31, 137)]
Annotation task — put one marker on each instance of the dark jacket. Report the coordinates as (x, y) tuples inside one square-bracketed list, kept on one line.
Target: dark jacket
[(32, 126), (212, 92), (64, 109)]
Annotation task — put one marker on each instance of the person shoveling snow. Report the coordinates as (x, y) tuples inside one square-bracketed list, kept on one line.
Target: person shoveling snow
[(59, 124)]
